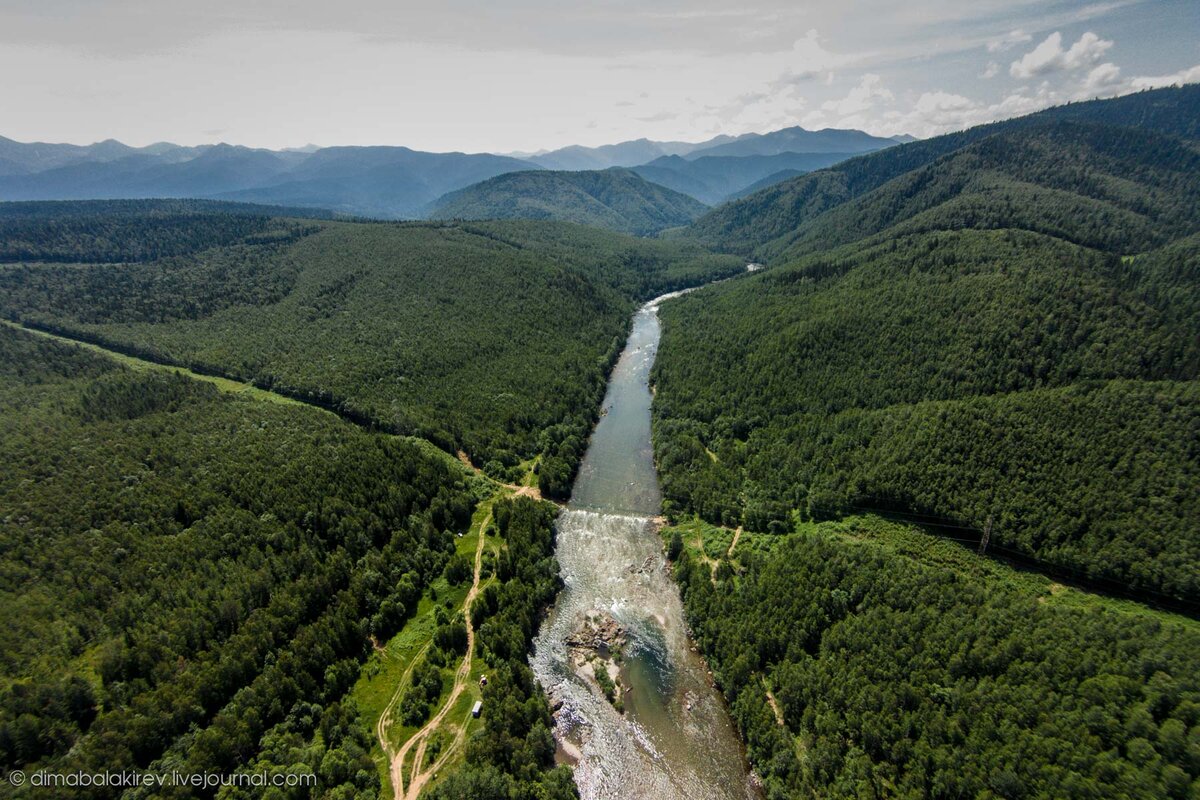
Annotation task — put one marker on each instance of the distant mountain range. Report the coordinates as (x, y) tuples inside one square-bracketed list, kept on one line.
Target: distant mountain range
[(643, 151), (398, 182)]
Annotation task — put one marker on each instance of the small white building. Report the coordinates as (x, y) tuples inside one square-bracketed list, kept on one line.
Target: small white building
[(477, 709)]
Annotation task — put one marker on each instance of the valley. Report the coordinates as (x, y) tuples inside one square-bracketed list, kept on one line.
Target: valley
[(552, 494)]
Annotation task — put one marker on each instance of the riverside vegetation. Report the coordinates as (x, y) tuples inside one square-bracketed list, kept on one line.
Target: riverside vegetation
[(235, 567), (994, 330), (208, 604)]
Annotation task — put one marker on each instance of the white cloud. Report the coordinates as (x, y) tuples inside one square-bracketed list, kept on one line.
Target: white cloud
[(939, 111), (1008, 41), (1102, 77), (992, 70), (861, 98), (1049, 56), (1191, 75)]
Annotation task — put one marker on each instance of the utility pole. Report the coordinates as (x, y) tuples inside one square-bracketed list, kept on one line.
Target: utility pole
[(987, 534)]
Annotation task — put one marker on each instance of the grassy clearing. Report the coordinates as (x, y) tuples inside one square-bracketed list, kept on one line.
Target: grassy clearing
[(709, 543), (386, 671), (139, 364)]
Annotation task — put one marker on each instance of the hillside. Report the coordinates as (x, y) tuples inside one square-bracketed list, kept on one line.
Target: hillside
[(191, 575), (136, 230), (1002, 337), (615, 199), (1119, 190), (714, 179), (862, 659), (490, 337), (753, 224)]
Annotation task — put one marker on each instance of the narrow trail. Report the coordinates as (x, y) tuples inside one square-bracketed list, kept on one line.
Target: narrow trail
[(416, 778), (774, 704), (385, 719), (736, 535)]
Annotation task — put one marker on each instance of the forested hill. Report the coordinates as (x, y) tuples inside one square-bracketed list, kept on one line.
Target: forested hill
[(490, 337), (615, 199), (1006, 336), (861, 659), (137, 230), (190, 578), (753, 225)]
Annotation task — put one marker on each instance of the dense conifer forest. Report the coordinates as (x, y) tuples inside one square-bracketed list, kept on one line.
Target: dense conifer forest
[(1007, 334), (992, 331), (862, 659), (189, 576), (615, 199), (490, 337)]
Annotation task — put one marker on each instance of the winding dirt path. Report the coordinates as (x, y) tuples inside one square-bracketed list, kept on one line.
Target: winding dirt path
[(416, 778), (385, 719), (736, 535)]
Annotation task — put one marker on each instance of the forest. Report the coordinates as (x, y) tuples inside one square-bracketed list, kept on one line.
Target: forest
[(862, 659), (512, 756), (1003, 339), (994, 336), (614, 199), (212, 591), (760, 224), (494, 338), (136, 230)]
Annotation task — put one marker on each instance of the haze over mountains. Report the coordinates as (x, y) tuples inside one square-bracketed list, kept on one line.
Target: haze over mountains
[(396, 182)]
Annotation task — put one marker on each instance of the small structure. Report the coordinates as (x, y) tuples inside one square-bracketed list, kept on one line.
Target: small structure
[(477, 709), (483, 681)]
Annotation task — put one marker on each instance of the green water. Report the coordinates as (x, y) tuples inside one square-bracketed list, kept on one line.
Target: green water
[(675, 739)]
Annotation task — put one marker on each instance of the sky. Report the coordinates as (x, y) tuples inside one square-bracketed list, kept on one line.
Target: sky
[(529, 75)]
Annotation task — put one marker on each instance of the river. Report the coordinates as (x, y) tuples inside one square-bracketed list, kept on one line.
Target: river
[(675, 739)]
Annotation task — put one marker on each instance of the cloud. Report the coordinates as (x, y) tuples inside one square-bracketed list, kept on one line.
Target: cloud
[(861, 98), (1049, 56), (790, 81), (992, 70), (661, 116), (1191, 75), (939, 111), (1102, 77), (1008, 41)]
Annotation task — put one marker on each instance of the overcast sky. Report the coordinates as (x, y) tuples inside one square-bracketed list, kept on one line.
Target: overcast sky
[(489, 75)]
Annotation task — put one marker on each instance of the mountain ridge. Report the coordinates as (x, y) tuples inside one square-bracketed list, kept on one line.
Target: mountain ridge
[(616, 199)]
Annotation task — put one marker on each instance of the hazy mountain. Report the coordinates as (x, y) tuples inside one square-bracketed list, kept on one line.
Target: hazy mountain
[(763, 183), (391, 182), (762, 223), (617, 199), (622, 154), (797, 140), (23, 158), (714, 179), (216, 169), (371, 181)]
